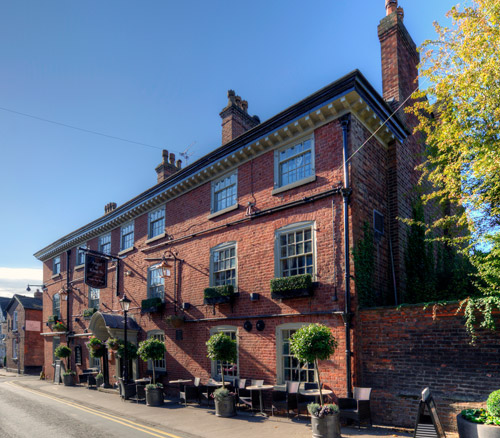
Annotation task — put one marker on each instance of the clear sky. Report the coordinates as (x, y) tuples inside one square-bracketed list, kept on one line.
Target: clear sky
[(154, 72)]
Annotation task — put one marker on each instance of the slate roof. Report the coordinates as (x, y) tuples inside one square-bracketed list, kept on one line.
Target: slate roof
[(26, 302), (117, 322), (4, 302)]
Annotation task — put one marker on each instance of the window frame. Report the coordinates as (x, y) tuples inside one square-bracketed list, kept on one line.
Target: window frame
[(219, 248), (122, 236), (280, 373), (81, 262), (56, 265), (101, 243), (15, 344), (149, 285), (214, 363), (289, 229), (56, 341), (152, 222), (14, 321), (213, 203), (278, 186), (56, 310), (157, 333), (92, 300)]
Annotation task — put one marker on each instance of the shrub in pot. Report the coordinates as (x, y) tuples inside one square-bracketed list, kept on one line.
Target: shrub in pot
[(312, 343), (152, 349), (64, 352), (99, 379), (221, 347), (481, 423)]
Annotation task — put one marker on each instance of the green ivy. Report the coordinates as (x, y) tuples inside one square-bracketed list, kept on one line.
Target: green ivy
[(285, 284), (218, 291), (364, 266)]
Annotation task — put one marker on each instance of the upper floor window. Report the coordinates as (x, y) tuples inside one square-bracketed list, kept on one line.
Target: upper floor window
[(80, 255), (94, 296), (127, 236), (14, 321), (293, 164), (105, 244), (159, 365), (223, 264), (56, 305), (225, 192), (155, 283), (156, 222), (56, 265), (295, 250), (230, 370)]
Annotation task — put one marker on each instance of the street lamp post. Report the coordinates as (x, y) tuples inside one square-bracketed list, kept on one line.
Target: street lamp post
[(125, 305)]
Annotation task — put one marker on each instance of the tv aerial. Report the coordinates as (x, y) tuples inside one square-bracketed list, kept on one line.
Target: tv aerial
[(185, 154)]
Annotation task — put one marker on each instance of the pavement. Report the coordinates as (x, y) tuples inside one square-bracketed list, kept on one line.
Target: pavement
[(192, 420)]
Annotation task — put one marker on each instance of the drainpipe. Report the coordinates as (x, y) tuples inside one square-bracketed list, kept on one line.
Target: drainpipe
[(347, 315), (68, 288)]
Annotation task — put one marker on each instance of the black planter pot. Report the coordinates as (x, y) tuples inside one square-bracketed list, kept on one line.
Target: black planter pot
[(154, 397), (68, 379), (466, 429), (326, 427), (293, 293), (225, 407)]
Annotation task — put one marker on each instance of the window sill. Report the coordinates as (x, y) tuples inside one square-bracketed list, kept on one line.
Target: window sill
[(302, 182), (225, 210), (154, 239), (78, 267), (126, 251), (55, 276)]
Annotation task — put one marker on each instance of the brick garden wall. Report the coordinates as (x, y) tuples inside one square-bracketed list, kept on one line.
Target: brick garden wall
[(400, 352)]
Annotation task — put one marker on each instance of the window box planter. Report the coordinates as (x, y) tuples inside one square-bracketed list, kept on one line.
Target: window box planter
[(87, 313), (219, 294), (59, 327), (292, 287), (151, 305), (52, 319)]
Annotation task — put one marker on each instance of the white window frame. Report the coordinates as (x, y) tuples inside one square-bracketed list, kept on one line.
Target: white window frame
[(152, 222), (278, 185), (56, 265), (150, 285), (219, 248), (104, 240), (94, 295), (14, 348), (56, 309), (80, 261), (291, 229), (214, 364), (14, 321), (280, 329), (159, 365), (124, 235), (56, 341), (214, 208)]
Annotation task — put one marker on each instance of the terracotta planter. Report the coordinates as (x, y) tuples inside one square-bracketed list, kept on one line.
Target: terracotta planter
[(154, 397), (466, 429), (225, 407), (326, 427)]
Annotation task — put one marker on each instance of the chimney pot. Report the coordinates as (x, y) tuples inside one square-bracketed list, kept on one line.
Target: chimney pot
[(178, 164), (172, 158), (390, 6), (235, 118), (38, 294), (167, 167), (109, 207), (401, 12)]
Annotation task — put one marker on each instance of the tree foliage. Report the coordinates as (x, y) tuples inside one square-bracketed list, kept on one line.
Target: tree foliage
[(150, 349), (222, 348), (458, 111)]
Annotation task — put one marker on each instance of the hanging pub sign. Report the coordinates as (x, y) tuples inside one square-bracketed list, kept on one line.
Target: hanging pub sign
[(96, 271)]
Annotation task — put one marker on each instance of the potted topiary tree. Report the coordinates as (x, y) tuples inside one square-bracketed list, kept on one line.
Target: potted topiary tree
[(64, 352), (481, 423), (152, 349), (312, 343), (222, 348)]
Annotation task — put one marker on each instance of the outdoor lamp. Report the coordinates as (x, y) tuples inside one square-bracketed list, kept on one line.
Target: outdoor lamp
[(44, 288), (165, 268), (125, 303)]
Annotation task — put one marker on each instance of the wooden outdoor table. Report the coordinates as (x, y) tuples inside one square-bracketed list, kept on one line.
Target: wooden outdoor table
[(260, 388)]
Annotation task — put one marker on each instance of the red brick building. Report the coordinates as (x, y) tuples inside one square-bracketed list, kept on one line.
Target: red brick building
[(24, 345), (268, 203)]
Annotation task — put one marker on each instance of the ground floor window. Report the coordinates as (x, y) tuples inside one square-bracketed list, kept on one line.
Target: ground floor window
[(56, 340), (288, 367), (230, 370), (159, 365), (94, 362)]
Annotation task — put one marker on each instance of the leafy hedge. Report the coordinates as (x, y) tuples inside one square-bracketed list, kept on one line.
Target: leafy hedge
[(218, 291), (286, 284), (151, 303)]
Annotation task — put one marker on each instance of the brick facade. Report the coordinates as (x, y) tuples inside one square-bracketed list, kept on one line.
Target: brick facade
[(402, 351)]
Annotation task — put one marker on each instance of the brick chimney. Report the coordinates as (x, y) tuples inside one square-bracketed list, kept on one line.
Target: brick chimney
[(109, 207), (167, 167), (235, 118), (38, 294), (399, 56)]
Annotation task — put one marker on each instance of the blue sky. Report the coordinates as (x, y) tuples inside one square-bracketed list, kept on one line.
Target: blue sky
[(154, 72)]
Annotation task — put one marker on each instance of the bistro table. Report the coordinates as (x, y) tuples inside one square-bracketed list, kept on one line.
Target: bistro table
[(140, 387), (260, 388), (180, 382), (315, 392)]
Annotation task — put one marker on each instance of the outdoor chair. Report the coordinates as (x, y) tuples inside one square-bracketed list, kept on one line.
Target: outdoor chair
[(358, 407), (304, 400), (190, 392), (285, 399), (250, 398), (140, 394), (206, 392), (126, 391)]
